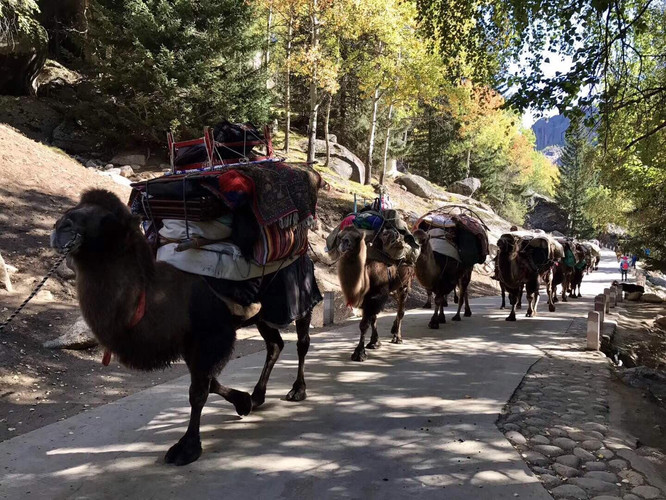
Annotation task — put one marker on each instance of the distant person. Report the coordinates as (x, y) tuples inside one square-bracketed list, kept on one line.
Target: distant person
[(513, 228), (634, 259), (624, 267)]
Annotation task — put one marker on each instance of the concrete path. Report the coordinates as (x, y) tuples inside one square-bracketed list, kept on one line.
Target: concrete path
[(415, 419)]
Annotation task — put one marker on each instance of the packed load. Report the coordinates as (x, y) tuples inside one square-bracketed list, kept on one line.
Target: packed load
[(388, 237), (541, 249), (236, 222), (456, 232)]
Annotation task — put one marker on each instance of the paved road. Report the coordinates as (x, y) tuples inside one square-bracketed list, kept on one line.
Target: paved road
[(415, 419)]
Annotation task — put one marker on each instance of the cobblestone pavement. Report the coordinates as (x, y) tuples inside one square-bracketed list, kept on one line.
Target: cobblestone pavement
[(558, 419)]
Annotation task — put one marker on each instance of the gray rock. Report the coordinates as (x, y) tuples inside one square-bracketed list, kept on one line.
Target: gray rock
[(542, 470), (108, 166), (420, 187), (516, 437), (607, 497), (605, 454), (535, 458), (569, 491), (129, 158), (631, 497), (565, 443), (554, 431), (539, 439), (91, 164), (651, 298), (595, 426), (594, 486), (332, 138), (511, 427), (5, 282), (466, 187), (79, 337), (568, 460), (549, 450), (608, 477), (632, 477), (550, 481), (634, 296), (343, 161), (618, 464), (592, 444), (592, 466), (565, 471), (74, 137), (648, 492)]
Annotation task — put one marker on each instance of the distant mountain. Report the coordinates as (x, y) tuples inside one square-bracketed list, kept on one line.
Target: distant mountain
[(550, 131)]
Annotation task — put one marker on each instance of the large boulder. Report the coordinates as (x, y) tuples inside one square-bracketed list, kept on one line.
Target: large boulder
[(130, 158), (5, 282), (545, 213), (23, 50), (651, 298), (345, 163), (74, 138), (466, 187), (420, 187), (633, 296)]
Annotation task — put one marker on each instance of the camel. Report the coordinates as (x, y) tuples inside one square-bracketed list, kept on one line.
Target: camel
[(367, 284), (442, 274), (564, 271), (149, 314), (516, 268)]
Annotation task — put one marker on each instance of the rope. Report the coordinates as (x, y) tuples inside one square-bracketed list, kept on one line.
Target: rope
[(55, 266)]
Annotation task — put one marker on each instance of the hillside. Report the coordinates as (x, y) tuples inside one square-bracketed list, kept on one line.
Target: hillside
[(39, 183)]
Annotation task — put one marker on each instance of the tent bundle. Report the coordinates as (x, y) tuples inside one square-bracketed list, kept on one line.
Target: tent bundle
[(456, 232), (541, 249), (388, 237), (235, 222)]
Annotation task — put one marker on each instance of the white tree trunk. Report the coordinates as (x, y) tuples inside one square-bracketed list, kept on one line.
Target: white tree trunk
[(287, 94), (387, 141), (371, 138), (326, 122), (314, 102)]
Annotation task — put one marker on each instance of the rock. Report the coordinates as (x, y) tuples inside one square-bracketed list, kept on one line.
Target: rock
[(333, 138), (618, 464), (591, 444), (545, 213), (23, 51), (114, 175), (129, 158), (516, 437), (549, 450), (419, 186), (607, 497), (569, 491), (605, 454), (568, 460), (565, 443), (660, 322), (343, 161), (584, 454), (595, 466), (594, 486), (609, 477), (534, 458), (65, 272), (466, 187), (5, 282), (550, 481), (126, 171), (632, 477), (540, 440), (595, 426), (44, 296), (91, 164), (648, 492), (74, 137), (651, 298), (78, 337), (631, 497), (634, 296), (565, 470), (108, 166)]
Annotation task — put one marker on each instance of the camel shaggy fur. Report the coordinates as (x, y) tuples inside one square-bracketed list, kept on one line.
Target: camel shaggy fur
[(149, 314), (367, 284), (442, 274)]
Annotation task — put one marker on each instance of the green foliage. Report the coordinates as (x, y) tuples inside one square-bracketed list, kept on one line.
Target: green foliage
[(177, 64), (18, 22)]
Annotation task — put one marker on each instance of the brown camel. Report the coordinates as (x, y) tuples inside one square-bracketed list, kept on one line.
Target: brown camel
[(442, 274), (367, 284), (517, 268), (149, 314), (564, 271)]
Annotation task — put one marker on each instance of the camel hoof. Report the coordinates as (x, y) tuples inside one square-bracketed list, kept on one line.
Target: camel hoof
[(375, 345), (556, 300), (183, 452), (467, 314), (433, 325), (551, 308), (519, 306), (511, 318), (456, 318), (243, 402), (396, 340), (297, 393), (359, 355), (441, 318)]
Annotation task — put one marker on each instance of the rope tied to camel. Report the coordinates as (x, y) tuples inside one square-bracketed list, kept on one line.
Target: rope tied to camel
[(66, 249)]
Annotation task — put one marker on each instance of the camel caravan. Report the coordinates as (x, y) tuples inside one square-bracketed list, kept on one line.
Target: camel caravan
[(221, 242)]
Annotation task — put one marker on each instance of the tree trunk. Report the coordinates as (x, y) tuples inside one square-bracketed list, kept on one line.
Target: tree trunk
[(371, 138), (314, 103), (287, 93), (326, 121), (469, 154), (387, 141), (267, 50)]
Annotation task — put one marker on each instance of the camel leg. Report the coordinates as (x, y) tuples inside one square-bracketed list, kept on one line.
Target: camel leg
[(396, 329), (188, 448), (456, 298), (359, 353), (440, 315), (532, 290), (374, 338), (435, 320), (551, 298), (274, 345), (519, 303), (467, 278), (513, 299), (503, 291), (445, 303), (241, 400), (297, 392)]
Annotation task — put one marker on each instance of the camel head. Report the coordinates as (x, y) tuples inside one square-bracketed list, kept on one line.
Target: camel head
[(99, 223), (422, 237), (508, 245), (351, 240)]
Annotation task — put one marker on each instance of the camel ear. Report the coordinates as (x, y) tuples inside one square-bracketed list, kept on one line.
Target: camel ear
[(421, 236)]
